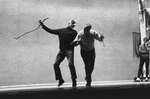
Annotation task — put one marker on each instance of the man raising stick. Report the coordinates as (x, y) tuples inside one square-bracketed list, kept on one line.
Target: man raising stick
[(66, 37)]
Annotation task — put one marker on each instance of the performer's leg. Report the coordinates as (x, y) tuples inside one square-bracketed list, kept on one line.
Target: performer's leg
[(147, 67), (85, 58), (140, 71), (59, 58), (70, 58), (92, 60)]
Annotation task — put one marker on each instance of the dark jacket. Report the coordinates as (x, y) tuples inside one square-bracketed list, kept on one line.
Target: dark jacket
[(144, 51), (66, 37)]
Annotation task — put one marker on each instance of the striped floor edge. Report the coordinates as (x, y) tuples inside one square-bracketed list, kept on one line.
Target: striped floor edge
[(121, 84)]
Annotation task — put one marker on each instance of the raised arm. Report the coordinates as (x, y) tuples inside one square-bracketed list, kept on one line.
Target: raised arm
[(48, 29)]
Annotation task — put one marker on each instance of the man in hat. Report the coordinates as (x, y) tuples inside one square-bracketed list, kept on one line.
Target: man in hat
[(86, 39), (144, 58), (66, 36)]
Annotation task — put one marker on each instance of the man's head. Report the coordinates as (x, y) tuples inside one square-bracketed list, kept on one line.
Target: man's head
[(87, 27), (71, 24)]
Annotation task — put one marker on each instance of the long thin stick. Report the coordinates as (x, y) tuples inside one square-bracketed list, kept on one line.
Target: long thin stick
[(101, 34), (27, 33), (30, 31)]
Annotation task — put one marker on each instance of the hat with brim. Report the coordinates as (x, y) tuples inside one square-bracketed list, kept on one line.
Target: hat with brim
[(72, 22)]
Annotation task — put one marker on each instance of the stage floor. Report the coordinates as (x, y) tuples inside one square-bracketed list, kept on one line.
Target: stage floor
[(112, 89)]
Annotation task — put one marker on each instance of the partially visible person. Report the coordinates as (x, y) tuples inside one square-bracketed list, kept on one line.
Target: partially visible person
[(144, 58), (86, 39), (66, 36)]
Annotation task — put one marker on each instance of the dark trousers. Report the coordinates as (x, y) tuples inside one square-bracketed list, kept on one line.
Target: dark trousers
[(69, 54), (142, 61), (89, 60)]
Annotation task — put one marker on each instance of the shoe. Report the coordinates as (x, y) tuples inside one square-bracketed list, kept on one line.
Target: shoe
[(88, 84), (146, 79), (74, 83), (137, 79), (61, 82)]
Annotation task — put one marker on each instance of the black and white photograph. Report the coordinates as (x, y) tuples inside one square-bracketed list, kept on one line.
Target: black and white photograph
[(74, 49)]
